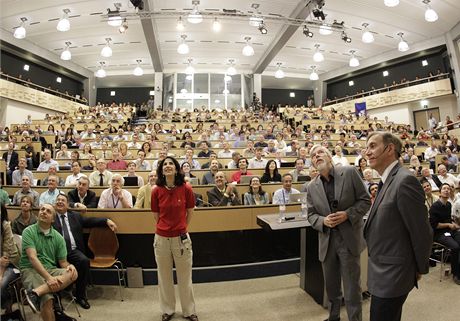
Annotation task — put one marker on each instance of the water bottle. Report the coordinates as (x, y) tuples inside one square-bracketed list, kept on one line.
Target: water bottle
[(282, 213), (303, 209)]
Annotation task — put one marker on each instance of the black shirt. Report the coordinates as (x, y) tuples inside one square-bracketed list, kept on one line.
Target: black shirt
[(440, 213), (329, 189)]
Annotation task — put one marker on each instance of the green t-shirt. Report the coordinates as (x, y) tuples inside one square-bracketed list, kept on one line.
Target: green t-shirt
[(50, 248)]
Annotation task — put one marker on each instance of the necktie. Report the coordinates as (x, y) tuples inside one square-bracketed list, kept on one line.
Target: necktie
[(379, 187), (101, 180), (65, 233)]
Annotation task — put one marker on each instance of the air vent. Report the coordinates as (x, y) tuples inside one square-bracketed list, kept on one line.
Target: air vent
[(172, 63), (223, 41), (96, 14), (134, 42), (292, 47), (85, 46), (168, 9), (54, 19), (275, 15), (119, 43), (73, 47), (34, 23), (202, 63), (170, 41), (212, 10), (333, 52), (76, 16), (206, 41), (389, 36), (258, 43), (304, 48), (356, 28)]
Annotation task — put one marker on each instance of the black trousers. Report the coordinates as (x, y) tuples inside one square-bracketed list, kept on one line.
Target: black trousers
[(387, 309), (81, 263), (453, 243)]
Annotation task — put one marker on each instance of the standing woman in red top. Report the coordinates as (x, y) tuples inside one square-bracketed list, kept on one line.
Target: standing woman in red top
[(172, 206)]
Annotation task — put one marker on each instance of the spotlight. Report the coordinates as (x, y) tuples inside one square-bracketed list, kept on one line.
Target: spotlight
[(402, 45), (345, 37), (64, 23), (263, 30), (66, 54), (114, 17), (247, 49), (180, 24), (307, 32), (101, 73), (195, 17), (123, 27), (20, 32), (138, 70), (107, 51), (430, 14), (183, 48), (139, 4), (318, 14)]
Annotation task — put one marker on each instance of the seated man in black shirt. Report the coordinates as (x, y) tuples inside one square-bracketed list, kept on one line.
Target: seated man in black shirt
[(81, 197)]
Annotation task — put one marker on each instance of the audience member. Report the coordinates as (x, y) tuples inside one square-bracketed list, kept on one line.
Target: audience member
[(20, 172), (52, 171), (25, 217), (431, 178), (116, 163), (132, 173), (242, 170), (208, 177), (281, 196), (49, 196), (115, 196), (256, 195), (82, 197), (430, 198), (11, 159), (26, 190), (100, 177), (271, 174), (143, 199), (223, 194), (258, 161), (47, 162)]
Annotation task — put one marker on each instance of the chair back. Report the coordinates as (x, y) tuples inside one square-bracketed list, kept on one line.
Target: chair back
[(103, 242)]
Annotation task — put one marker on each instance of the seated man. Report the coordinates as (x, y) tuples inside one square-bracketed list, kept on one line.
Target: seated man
[(82, 197), (100, 177), (208, 178), (21, 171), (73, 178), (132, 173), (226, 152), (258, 161), (188, 157), (144, 194), (233, 164), (11, 158), (49, 196), (116, 196), (221, 194), (52, 170), (431, 178), (141, 163), (70, 225), (43, 250), (298, 170), (205, 151), (116, 163), (26, 190), (212, 156), (242, 170), (47, 162), (281, 196)]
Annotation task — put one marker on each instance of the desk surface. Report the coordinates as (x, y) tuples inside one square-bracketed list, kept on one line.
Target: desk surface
[(271, 222)]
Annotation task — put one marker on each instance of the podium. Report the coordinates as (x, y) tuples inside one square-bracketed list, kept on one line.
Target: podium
[(311, 271)]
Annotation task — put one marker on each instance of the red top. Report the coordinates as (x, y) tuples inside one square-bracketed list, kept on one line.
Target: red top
[(172, 207), (236, 177), (117, 165)]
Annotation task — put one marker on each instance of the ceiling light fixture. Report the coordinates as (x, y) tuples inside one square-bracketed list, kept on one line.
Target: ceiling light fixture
[(64, 23), (402, 45), (20, 32), (247, 49), (66, 54), (100, 73), (325, 30), (180, 24), (216, 26), (345, 38), (354, 62), (123, 27), (195, 16), (107, 51), (367, 36), (307, 32), (231, 70), (183, 48), (190, 70), (318, 13), (114, 18), (279, 74), (318, 56), (391, 3), (227, 78), (138, 70), (430, 14), (255, 21), (262, 28), (313, 74)]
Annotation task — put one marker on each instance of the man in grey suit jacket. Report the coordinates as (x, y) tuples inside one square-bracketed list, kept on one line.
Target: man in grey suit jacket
[(398, 235), (337, 201)]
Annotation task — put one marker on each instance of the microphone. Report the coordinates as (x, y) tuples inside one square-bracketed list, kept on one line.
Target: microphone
[(383, 151), (204, 202)]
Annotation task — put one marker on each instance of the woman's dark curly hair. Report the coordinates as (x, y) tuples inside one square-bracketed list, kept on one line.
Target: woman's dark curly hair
[(178, 179)]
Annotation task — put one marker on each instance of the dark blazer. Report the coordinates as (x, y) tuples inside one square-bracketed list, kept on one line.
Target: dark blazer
[(77, 223), (90, 200), (436, 180), (398, 235), (216, 198), (14, 161)]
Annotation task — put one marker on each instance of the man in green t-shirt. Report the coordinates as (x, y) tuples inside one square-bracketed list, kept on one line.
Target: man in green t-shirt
[(43, 250)]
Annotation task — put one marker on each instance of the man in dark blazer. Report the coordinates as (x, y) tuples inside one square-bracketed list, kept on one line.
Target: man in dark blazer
[(398, 235), (337, 202), (82, 197), (12, 161), (70, 225)]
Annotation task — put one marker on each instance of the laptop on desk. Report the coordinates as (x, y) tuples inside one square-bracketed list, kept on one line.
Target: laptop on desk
[(245, 179), (131, 181), (298, 198), (287, 164)]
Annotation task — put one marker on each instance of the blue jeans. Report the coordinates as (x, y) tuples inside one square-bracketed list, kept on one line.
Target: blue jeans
[(8, 276)]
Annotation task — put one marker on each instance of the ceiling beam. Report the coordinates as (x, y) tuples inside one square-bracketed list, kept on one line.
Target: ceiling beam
[(150, 32), (301, 12)]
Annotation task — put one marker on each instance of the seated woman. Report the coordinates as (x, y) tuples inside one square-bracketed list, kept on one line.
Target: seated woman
[(271, 174), (86, 151), (255, 196), (9, 259), (132, 173), (25, 217), (147, 148), (446, 232), (186, 169)]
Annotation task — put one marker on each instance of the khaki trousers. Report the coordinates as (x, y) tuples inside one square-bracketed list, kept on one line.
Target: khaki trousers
[(169, 250)]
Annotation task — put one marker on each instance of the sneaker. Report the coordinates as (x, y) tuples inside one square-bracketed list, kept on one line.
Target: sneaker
[(61, 316), (192, 317), (33, 299)]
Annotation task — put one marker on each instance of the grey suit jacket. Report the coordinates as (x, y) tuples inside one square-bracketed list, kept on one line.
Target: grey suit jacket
[(352, 198), (398, 235)]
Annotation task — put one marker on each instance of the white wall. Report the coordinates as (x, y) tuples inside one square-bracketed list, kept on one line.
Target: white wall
[(403, 113), (15, 112)]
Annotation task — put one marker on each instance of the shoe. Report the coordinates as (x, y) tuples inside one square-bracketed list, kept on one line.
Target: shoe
[(61, 316), (456, 280), (33, 299), (332, 319), (83, 302), (166, 317), (192, 317)]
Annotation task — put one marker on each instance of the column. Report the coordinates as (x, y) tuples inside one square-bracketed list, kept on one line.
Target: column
[(258, 86), (158, 89)]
